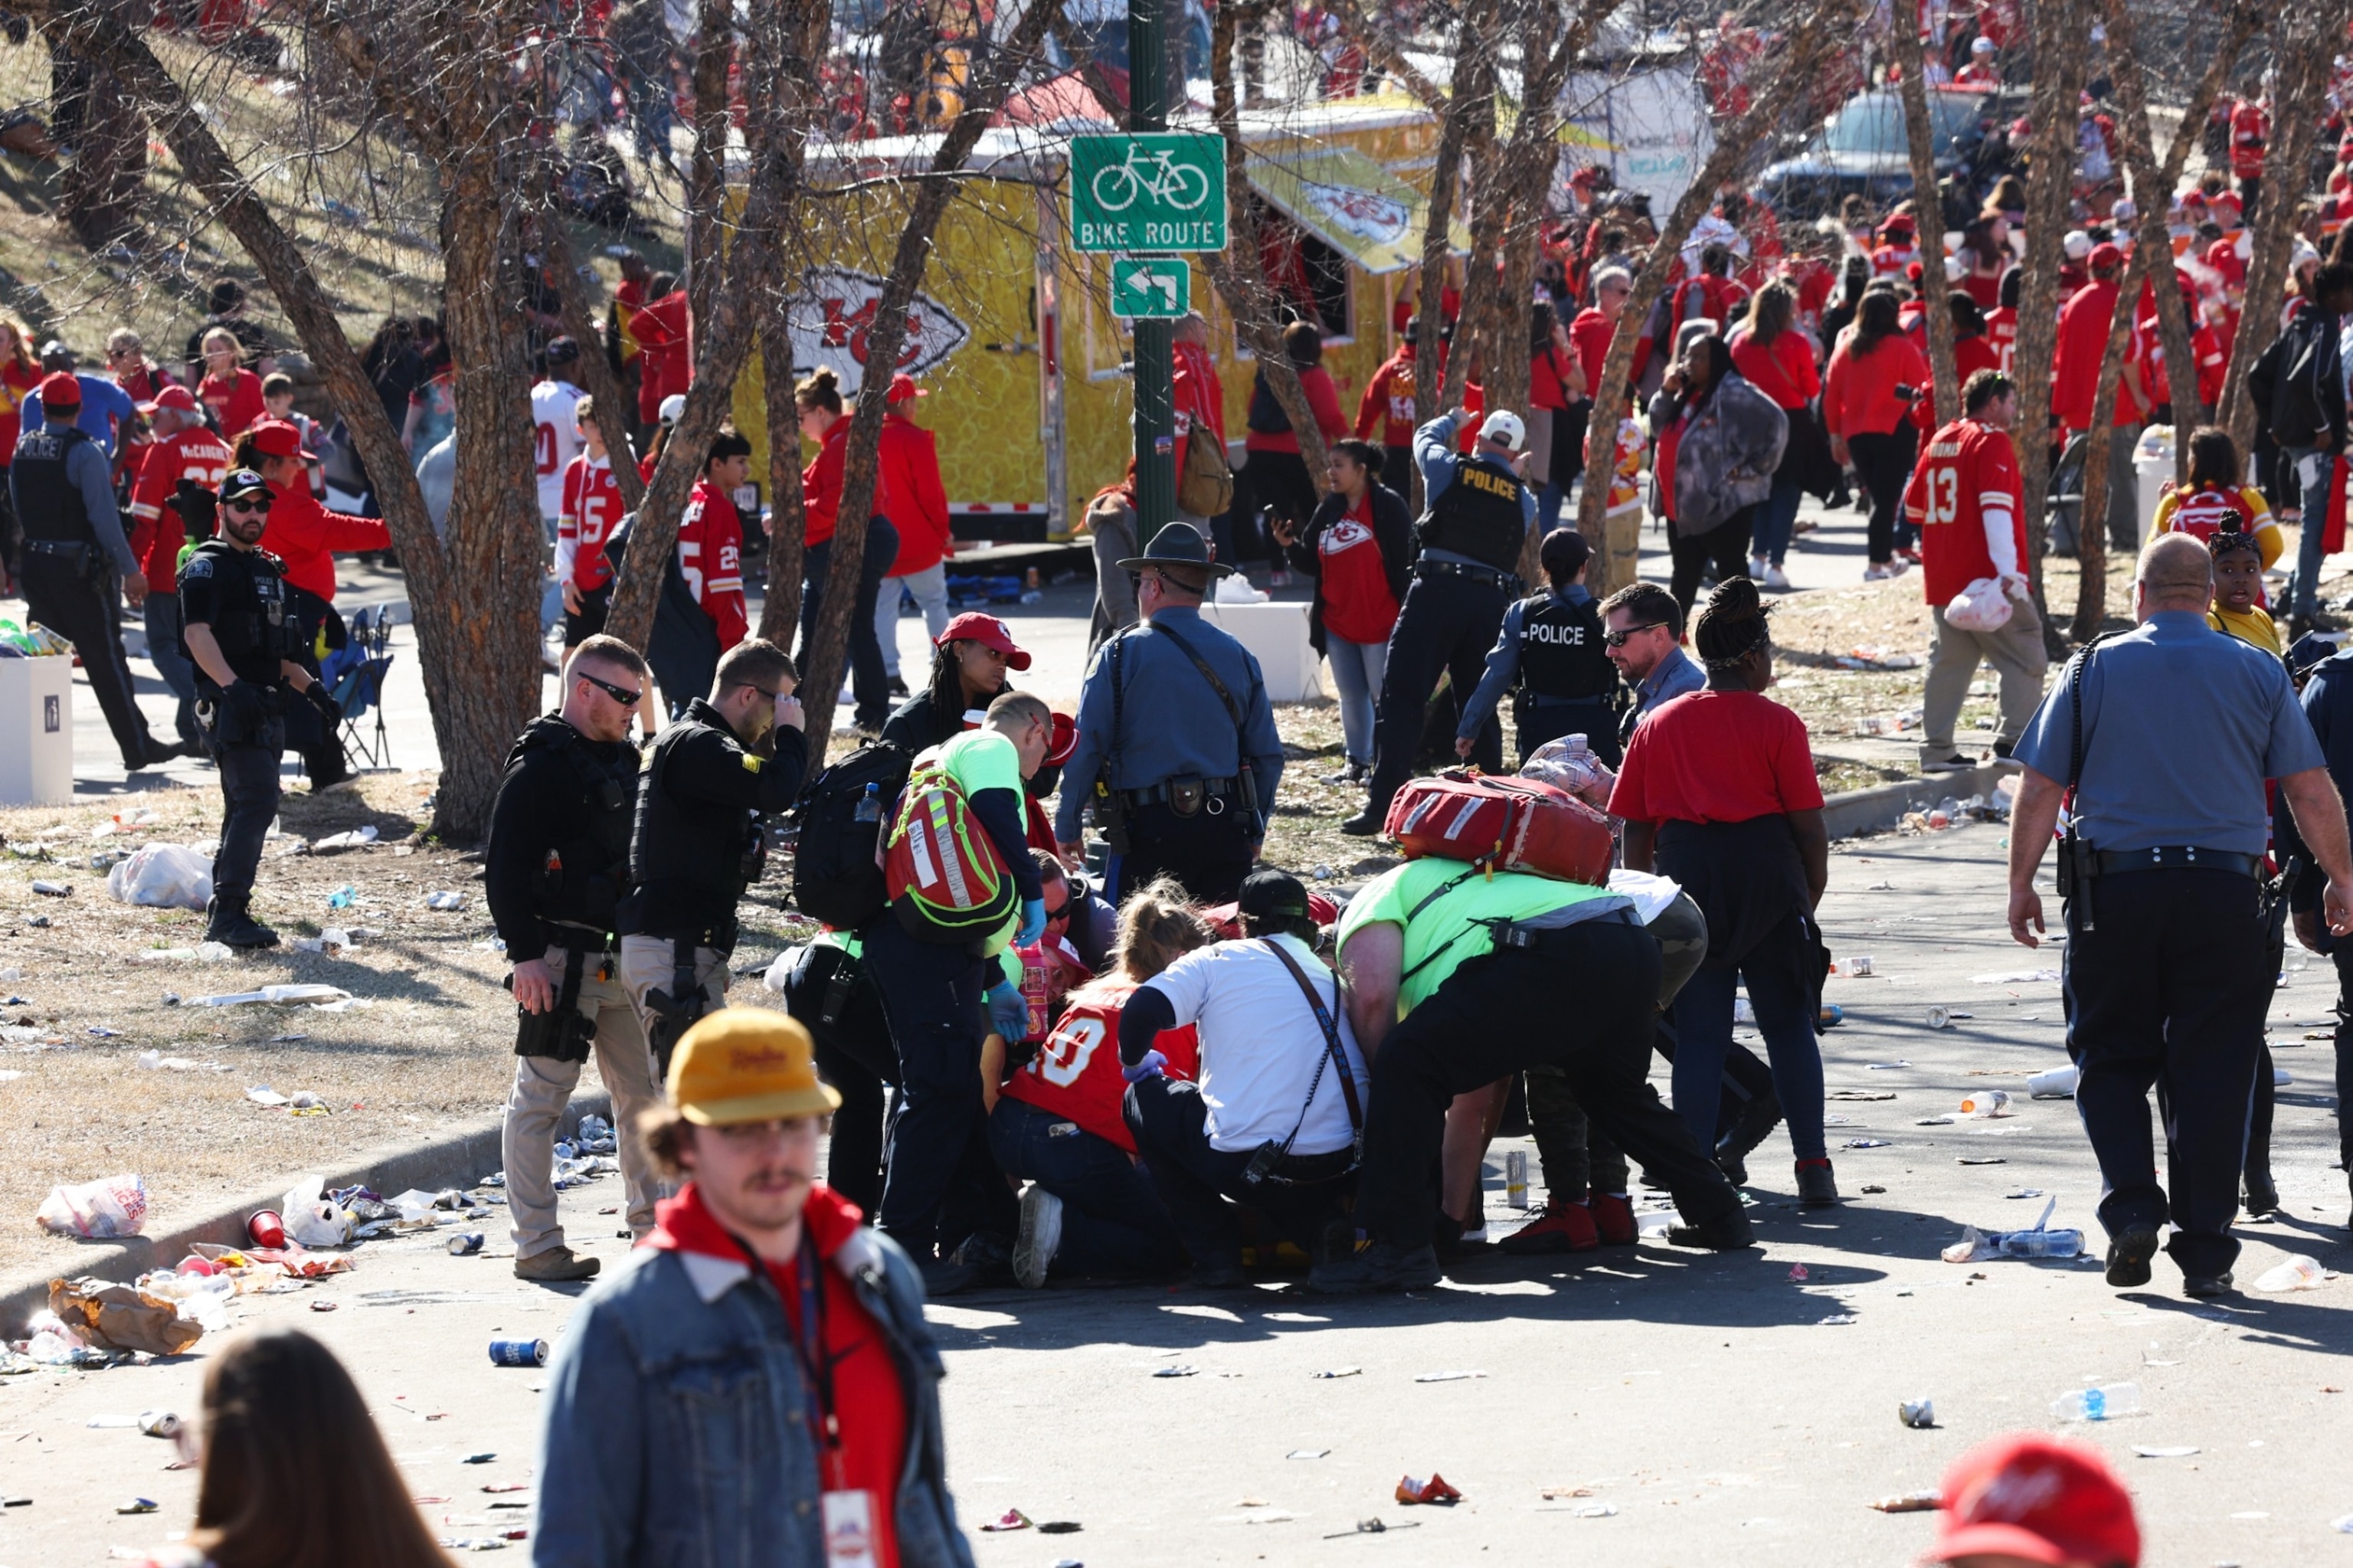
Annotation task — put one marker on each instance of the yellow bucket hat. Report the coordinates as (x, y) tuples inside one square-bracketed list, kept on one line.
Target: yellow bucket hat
[(747, 1064)]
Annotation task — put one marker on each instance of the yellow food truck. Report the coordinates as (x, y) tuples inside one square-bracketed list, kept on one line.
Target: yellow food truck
[(1026, 371)]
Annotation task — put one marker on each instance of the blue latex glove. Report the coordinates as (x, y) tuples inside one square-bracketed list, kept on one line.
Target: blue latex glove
[(1033, 922), (1008, 1011), (1150, 1067)]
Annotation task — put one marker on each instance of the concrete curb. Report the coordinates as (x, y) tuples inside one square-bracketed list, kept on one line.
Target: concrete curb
[(457, 1158), (1857, 811)]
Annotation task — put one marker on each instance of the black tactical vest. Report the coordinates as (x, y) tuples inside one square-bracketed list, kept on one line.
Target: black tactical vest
[(48, 503), (1561, 653), (253, 615), (587, 865), (717, 852), (1479, 515)]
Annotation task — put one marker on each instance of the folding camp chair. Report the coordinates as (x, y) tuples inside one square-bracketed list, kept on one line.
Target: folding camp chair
[(354, 675)]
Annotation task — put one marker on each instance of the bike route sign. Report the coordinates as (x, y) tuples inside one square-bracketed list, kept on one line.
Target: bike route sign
[(1151, 288), (1156, 190)]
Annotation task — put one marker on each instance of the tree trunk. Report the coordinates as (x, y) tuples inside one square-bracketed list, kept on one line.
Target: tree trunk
[(1473, 84), (2304, 67), (706, 188), (613, 405), (1813, 38), (780, 611), (100, 189), (829, 637), (1238, 273), (2092, 522), (2153, 188), (1382, 49), (2059, 79), (1928, 217)]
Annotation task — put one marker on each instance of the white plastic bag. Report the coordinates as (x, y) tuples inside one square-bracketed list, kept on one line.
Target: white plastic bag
[(313, 1219), (166, 876), (1980, 607), (103, 1209)]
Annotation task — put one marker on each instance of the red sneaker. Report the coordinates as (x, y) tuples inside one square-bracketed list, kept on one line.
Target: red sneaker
[(1562, 1227), (1613, 1219)]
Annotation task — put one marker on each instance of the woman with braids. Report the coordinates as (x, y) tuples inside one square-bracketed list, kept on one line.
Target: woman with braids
[(1060, 1124), (1719, 793), (969, 659), (1720, 441)]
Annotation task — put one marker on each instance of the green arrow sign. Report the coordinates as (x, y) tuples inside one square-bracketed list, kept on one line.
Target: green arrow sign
[(1150, 191), (1154, 289)]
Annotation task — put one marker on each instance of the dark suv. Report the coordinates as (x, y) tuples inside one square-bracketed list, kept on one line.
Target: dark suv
[(1861, 149)]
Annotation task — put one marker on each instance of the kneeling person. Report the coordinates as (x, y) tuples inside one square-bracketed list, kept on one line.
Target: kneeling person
[(558, 862), (1274, 1119), (1476, 965), (1090, 1208)]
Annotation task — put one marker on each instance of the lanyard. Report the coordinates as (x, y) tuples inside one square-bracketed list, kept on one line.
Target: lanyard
[(809, 1350)]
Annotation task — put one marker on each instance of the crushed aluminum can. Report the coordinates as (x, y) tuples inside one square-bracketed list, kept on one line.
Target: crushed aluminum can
[(466, 1244), (1918, 1414)]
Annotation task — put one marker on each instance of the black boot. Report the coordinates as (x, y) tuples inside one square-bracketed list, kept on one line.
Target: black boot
[(228, 923), (1752, 1127)]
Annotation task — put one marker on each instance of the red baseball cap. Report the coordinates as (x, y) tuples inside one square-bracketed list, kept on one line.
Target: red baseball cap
[(2031, 1498), (60, 390), (1065, 742), (2105, 258), (988, 631), (276, 438), (902, 389), (172, 397)]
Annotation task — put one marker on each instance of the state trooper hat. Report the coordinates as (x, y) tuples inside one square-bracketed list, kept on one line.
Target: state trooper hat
[(1176, 545)]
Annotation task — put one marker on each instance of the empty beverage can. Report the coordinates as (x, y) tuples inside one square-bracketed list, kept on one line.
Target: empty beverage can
[(1859, 965), (465, 1244), (518, 1352), (1515, 1179)]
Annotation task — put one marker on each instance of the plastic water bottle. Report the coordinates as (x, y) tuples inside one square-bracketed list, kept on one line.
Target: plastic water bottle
[(1986, 1102), (870, 804), (2039, 1243), (2104, 1404), (2298, 1273)]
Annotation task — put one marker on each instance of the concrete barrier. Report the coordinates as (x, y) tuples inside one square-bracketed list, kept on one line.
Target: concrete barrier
[(457, 1158), (1856, 811)]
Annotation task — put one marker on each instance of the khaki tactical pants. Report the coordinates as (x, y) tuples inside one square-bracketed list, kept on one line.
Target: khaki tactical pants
[(2018, 658), (544, 1086)]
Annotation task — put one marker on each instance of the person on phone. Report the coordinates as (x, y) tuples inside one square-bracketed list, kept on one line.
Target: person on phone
[(1720, 441), (1359, 550), (697, 844), (1875, 374)]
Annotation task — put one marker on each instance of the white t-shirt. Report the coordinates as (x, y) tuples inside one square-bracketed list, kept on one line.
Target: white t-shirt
[(1259, 1044), (556, 440)]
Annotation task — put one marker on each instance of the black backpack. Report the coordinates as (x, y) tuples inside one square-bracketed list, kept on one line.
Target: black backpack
[(837, 873)]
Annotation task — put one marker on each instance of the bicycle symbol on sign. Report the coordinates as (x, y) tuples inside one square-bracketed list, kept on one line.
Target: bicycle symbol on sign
[(1178, 186)]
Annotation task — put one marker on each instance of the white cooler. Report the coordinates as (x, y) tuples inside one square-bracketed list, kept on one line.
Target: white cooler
[(35, 731), (2152, 471), (1277, 634)]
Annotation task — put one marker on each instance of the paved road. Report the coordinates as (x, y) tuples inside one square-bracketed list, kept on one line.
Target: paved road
[(1704, 1398)]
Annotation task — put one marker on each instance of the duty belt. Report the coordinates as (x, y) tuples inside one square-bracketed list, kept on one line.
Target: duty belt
[(1158, 794), (1476, 572), (70, 549), (2177, 857)]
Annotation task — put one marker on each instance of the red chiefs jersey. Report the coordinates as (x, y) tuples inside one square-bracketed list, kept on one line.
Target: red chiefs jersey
[(2002, 331), (1076, 1075), (2250, 129), (592, 505), (156, 531), (709, 556), (1357, 604), (1965, 469), (1384, 413)]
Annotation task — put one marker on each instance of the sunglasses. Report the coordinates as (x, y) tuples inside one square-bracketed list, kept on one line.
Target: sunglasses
[(1618, 638), (621, 695), (253, 506)]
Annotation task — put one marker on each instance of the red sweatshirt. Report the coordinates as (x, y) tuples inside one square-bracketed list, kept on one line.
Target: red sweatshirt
[(1199, 397), (907, 489), (821, 482), (869, 1400), (1859, 398), (306, 535)]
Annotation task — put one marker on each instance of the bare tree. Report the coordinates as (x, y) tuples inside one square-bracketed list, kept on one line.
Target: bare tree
[(1471, 99), (2153, 186), (828, 640), (2059, 28), (1928, 219), (2304, 54), (1814, 36)]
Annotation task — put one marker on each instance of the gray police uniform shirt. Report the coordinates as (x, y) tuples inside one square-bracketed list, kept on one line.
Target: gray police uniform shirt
[(2181, 726), (1173, 724)]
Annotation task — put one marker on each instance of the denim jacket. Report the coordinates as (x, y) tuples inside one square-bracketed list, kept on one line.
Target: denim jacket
[(675, 1434)]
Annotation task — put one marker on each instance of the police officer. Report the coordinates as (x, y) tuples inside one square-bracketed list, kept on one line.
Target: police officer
[(1478, 965), (1177, 745), (2167, 734), (554, 871), (1479, 512), (1550, 655), (73, 549), (239, 629), (697, 842)]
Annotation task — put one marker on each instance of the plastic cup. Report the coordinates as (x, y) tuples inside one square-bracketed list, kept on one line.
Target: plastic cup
[(267, 1229)]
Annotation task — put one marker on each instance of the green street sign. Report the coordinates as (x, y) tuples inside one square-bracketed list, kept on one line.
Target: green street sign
[(1155, 289), (1159, 190)]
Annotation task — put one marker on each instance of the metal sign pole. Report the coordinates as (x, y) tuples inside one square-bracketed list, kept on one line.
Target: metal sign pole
[(1155, 415)]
